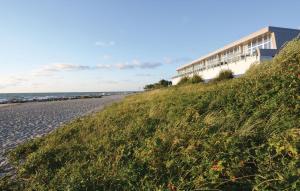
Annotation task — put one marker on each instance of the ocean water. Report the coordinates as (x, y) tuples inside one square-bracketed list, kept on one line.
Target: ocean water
[(27, 97)]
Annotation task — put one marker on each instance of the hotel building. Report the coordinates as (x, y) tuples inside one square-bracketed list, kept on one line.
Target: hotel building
[(239, 55)]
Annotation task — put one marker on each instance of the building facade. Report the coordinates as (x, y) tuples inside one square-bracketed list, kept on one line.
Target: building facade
[(239, 55)]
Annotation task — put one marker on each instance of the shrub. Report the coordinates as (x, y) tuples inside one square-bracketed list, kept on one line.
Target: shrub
[(149, 87), (183, 80), (165, 83), (161, 84), (196, 79), (224, 75), (191, 80)]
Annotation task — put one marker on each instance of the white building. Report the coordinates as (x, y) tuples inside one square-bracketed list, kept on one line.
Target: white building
[(239, 55)]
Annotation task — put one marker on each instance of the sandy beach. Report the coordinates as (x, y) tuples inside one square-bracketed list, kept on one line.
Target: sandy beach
[(20, 122)]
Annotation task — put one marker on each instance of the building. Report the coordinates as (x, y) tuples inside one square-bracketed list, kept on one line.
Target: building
[(239, 55)]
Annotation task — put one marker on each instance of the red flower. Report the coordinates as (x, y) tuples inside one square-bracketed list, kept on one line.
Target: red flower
[(216, 167)]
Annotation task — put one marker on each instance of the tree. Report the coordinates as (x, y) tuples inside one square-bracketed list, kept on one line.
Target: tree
[(165, 83)]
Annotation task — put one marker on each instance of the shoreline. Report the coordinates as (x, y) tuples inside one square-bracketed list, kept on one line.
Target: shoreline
[(16, 101), (48, 97), (7, 105)]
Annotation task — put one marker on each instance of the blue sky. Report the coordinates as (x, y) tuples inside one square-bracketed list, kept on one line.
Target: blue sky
[(110, 45)]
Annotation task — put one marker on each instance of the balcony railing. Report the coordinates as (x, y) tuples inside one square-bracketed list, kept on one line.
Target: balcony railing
[(217, 63)]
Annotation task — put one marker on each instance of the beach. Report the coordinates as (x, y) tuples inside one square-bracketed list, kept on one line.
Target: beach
[(20, 122)]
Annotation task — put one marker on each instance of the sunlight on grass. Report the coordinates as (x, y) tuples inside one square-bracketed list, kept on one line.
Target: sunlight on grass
[(240, 134)]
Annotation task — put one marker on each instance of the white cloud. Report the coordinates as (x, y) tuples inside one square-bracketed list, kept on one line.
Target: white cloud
[(168, 60), (56, 67), (105, 44), (125, 65), (138, 64), (103, 66), (46, 70), (150, 65), (8, 81), (28, 78), (50, 69)]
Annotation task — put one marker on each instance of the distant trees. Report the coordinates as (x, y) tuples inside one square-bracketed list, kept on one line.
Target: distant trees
[(162, 83), (191, 80)]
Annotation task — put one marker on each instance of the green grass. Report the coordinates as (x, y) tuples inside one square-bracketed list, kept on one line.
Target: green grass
[(241, 134)]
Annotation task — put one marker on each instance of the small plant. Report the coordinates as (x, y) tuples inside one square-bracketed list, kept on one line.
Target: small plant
[(224, 75)]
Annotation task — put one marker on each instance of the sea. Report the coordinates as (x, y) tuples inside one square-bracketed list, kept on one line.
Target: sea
[(31, 97)]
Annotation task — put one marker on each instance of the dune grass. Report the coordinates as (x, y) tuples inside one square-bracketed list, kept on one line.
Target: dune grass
[(241, 134)]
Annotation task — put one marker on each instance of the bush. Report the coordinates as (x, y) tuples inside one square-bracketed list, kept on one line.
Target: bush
[(196, 79), (224, 75), (242, 134), (161, 84), (184, 80), (191, 80)]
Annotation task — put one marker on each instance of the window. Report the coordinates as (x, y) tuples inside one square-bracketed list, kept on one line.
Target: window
[(254, 42), (269, 44), (259, 41)]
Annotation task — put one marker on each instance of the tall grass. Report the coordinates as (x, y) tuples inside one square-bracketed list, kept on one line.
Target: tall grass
[(241, 134)]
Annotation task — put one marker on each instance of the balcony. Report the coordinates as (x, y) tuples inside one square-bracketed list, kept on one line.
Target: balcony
[(217, 63)]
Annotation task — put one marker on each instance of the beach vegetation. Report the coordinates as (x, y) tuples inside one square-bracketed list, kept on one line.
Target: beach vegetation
[(239, 134)]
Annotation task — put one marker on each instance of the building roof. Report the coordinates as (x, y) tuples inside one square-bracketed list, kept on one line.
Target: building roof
[(238, 42)]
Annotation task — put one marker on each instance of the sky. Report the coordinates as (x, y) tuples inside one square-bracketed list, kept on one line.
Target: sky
[(120, 45)]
